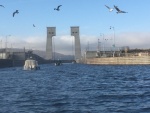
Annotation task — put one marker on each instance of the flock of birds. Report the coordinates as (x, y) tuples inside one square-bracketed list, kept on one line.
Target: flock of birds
[(17, 11), (58, 9), (116, 7)]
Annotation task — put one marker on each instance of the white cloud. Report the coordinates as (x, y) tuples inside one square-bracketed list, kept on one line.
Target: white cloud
[(65, 44), (32, 42), (134, 40)]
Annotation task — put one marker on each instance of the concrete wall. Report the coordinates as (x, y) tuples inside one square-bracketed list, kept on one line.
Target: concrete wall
[(75, 33), (51, 31), (119, 60), (6, 63)]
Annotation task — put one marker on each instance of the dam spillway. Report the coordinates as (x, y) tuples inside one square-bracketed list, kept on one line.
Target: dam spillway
[(51, 31)]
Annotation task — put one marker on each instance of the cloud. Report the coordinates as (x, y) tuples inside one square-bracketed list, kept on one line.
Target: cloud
[(65, 44), (133, 40), (31, 42)]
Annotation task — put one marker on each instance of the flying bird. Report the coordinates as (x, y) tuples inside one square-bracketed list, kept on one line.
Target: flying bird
[(58, 8), (118, 10), (2, 6), (33, 25), (110, 9), (16, 12)]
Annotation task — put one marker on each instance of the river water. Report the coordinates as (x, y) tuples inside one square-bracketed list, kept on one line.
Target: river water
[(76, 88)]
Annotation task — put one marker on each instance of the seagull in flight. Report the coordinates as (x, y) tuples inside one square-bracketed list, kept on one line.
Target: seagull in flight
[(118, 10), (2, 6), (16, 12), (110, 9), (57, 8)]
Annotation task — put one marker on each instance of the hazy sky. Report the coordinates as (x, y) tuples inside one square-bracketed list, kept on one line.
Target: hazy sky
[(131, 29)]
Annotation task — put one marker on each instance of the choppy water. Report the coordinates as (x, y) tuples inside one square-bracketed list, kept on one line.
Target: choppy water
[(75, 88)]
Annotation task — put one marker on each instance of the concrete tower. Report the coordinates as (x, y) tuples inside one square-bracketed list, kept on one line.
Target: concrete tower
[(75, 33), (51, 31)]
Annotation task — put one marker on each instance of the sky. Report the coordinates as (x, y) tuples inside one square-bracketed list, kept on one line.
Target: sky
[(93, 18)]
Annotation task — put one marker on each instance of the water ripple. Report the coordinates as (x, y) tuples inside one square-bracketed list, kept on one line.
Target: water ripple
[(76, 88)]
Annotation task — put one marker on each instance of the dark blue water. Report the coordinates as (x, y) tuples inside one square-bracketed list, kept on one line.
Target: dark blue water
[(75, 88)]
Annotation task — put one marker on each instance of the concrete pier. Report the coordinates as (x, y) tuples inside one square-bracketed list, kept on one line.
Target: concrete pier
[(51, 31), (75, 33), (132, 60)]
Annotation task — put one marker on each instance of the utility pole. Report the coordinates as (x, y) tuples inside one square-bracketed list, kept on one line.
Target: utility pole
[(6, 42), (114, 40), (98, 46), (101, 34), (88, 46)]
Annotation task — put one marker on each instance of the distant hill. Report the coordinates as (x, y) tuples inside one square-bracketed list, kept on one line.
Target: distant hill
[(55, 55), (43, 53)]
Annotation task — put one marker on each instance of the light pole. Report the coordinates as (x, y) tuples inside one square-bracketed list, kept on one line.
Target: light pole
[(98, 49), (106, 47), (87, 48), (114, 39), (114, 34), (101, 34), (6, 41)]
